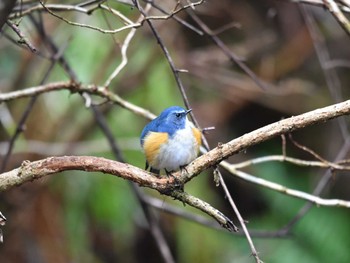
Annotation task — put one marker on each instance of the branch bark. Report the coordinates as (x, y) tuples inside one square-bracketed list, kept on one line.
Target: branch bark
[(33, 170), (223, 151), (30, 171)]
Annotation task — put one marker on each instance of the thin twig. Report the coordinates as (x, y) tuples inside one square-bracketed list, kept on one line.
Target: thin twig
[(57, 52), (291, 192), (233, 57), (124, 49), (283, 158), (53, 7), (308, 150), (74, 87), (338, 15), (327, 176), (19, 129), (332, 79), (205, 207), (21, 124), (179, 20), (105, 31), (167, 55), (22, 38)]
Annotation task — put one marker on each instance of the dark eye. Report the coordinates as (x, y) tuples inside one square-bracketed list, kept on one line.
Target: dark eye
[(178, 115)]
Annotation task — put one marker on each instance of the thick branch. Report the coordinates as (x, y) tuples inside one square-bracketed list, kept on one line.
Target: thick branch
[(288, 125), (30, 171), (219, 153)]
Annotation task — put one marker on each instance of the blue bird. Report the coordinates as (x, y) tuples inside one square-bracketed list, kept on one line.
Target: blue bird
[(170, 141)]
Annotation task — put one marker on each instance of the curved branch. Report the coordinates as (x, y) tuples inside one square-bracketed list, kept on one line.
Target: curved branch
[(288, 191), (265, 133), (73, 87), (219, 153), (30, 171)]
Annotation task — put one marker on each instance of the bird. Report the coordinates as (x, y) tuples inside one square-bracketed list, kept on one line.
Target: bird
[(170, 141)]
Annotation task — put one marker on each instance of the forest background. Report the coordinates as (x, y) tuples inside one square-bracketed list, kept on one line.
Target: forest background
[(82, 78)]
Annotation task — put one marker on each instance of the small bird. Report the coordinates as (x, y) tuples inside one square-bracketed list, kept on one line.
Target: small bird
[(170, 141)]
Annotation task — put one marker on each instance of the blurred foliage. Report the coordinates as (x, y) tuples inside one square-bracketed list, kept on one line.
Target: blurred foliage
[(80, 217)]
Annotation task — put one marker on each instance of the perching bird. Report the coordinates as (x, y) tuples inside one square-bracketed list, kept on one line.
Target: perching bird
[(170, 141)]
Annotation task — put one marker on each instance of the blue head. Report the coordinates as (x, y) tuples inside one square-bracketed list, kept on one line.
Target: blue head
[(172, 119), (169, 121)]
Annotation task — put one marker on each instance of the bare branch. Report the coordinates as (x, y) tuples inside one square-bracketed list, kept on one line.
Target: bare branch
[(105, 31), (80, 88), (124, 48), (233, 57), (30, 171), (213, 157), (22, 38), (338, 15), (283, 158), (288, 125), (291, 192), (222, 151)]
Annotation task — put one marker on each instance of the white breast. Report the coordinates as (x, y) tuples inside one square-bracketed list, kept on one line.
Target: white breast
[(180, 150)]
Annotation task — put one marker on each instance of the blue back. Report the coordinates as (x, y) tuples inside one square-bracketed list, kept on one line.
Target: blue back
[(169, 121)]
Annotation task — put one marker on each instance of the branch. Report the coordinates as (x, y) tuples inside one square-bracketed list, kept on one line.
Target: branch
[(73, 87), (280, 188), (34, 170), (203, 162), (124, 49), (288, 125), (22, 39), (30, 171), (219, 153), (338, 15), (300, 162)]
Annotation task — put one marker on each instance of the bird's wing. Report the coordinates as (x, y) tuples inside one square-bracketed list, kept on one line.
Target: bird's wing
[(150, 127), (152, 143)]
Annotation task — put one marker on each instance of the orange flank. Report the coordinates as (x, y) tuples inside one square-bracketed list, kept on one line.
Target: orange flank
[(198, 135), (152, 143)]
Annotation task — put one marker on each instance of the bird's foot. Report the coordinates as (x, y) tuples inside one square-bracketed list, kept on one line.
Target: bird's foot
[(183, 168), (177, 184)]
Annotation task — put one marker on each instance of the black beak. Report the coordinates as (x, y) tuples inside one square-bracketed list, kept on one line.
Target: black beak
[(188, 111)]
